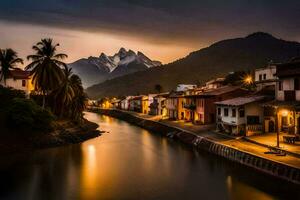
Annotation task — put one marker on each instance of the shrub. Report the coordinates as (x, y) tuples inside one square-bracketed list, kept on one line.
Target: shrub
[(8, 94), (26, 114)]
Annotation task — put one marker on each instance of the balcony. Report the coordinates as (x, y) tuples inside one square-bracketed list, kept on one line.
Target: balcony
[(254, 129)]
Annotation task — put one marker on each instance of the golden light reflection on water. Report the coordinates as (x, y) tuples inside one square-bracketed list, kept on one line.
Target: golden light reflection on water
[(89, 170), (130, 161), (238, 190)]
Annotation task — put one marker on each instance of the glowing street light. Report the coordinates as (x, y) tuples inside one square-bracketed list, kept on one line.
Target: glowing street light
[(248, 80), (284, 113)]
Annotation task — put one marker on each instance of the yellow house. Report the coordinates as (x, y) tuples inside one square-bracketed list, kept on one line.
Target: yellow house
[(175, 106), (145, 104)]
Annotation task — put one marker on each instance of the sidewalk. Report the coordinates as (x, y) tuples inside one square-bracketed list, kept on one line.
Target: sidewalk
[(270, 139), (257, 147)]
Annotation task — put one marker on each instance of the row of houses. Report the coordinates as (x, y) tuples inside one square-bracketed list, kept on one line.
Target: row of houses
[(233, 109)]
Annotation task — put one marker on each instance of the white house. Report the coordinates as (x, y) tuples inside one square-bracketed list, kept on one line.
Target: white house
[(184, 87), (158, 106), (214, 84), (19, 80), (125, 103), (265, 77), (241, 116)]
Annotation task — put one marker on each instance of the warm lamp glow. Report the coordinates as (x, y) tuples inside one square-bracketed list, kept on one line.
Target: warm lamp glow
[(284, 113), (248, 80)]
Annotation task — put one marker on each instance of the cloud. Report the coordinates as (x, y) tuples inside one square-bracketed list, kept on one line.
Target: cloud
[(163, 21)]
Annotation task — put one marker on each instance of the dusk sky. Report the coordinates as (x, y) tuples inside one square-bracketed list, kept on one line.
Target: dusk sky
[(164, 30)]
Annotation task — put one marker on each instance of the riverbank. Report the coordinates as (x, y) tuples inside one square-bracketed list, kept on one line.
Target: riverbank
[(65, 132), (237, 150)]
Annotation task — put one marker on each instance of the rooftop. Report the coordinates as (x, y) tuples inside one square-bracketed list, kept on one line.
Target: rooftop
[(19, 74), (239, 101), (288, 69), (217, 91)]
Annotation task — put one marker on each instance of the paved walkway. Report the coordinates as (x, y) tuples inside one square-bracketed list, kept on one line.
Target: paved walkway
[(234, 142), (270, 139)]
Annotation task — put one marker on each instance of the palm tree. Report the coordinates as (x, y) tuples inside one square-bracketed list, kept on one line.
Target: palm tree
[(46, 67), (65, 93), (78, 103), (8, 60)]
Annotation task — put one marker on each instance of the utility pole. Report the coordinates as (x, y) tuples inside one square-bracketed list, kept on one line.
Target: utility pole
[(277, 126)]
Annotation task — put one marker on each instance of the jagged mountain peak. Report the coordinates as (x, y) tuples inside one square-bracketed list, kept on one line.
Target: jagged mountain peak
[(121, 63)]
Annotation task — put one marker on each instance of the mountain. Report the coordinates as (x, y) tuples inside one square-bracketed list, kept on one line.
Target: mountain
[(95, 70), (253, 51)]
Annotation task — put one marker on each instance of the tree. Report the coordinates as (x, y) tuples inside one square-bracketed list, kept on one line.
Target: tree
[(8, 60), (46, 67), (235, 78), (78, 102), (158, 88), (65, 93)]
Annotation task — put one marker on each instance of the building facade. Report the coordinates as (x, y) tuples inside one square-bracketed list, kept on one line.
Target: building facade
[(265, 77), (201, 109), (241, 116), (284, 111)]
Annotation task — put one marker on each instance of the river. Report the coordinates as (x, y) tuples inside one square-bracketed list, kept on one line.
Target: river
[(130, 163)]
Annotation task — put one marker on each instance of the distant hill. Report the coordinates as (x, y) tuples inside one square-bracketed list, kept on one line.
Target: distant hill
[(248, 53), (95, 70)]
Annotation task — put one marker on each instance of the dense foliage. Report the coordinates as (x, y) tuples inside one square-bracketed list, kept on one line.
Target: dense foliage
[(61, 90), (57, 91), (25, 114), (21, 113)]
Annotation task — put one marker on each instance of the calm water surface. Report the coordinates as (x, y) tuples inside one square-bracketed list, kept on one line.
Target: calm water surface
[(131, 163)]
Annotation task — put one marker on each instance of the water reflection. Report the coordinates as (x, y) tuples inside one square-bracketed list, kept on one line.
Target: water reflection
[(131, 163)]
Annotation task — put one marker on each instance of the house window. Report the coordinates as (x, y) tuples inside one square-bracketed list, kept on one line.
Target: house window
[(242, 113), (280, 86), (219, 111), (226, 112), (297, 83), (252, 120), (23, 83), (260, 77), (233, 112)]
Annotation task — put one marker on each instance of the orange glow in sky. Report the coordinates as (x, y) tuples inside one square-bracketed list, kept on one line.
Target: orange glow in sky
[(80, 44)]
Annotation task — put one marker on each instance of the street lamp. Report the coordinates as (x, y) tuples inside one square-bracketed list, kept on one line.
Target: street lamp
[(277, 126), (248, 80)]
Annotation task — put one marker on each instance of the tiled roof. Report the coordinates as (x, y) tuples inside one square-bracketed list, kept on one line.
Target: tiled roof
[(217, 91), (19, 74), (285, 104), (239, 101), (288, 69)]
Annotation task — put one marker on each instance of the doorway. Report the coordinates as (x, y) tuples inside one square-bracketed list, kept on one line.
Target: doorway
[(271, 126)]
